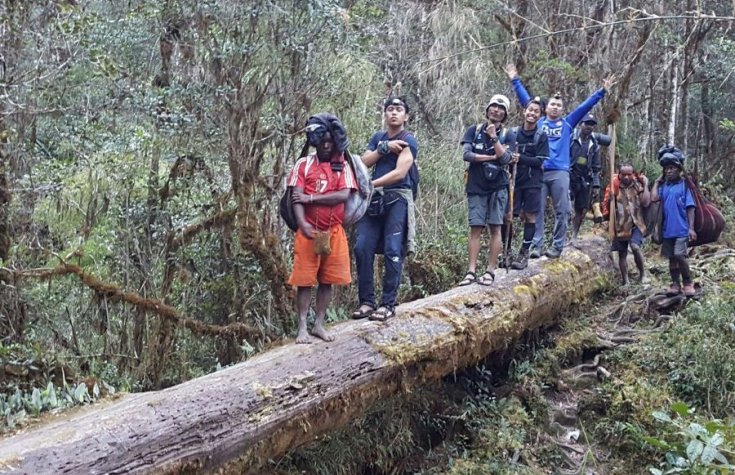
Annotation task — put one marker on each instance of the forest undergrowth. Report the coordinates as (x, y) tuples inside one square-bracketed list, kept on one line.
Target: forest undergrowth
[(619, 387)]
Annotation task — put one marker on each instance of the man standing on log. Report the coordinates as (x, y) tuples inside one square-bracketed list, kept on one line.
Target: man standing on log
[(627, 199), (321, 182), (556, 169), (485, 152), (389, 223), (531, 151), (584, 178)]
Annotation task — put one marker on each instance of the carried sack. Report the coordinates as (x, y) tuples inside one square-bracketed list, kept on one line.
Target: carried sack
[(708, 221), (322, 246), (358, 202)]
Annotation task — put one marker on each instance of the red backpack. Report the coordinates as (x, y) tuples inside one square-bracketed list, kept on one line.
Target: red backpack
[(708, 221)]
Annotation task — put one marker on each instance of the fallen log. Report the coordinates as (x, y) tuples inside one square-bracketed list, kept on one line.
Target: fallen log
[(233, 420)]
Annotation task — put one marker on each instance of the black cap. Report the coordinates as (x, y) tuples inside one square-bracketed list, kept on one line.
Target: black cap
[(395, 101), (590, 118)]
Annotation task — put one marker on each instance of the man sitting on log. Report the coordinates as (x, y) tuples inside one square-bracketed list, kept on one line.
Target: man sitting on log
[(321, 182), (629, 196)]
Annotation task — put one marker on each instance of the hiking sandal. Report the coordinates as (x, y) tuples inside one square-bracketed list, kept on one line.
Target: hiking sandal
[(469, 278), (487, 278), (361, 312), (382, 314)]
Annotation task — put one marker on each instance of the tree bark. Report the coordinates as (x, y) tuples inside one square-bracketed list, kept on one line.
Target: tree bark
[(235, 419)]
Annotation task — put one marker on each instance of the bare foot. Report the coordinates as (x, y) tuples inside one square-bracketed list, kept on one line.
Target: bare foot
[(303, 336), (319, 331)]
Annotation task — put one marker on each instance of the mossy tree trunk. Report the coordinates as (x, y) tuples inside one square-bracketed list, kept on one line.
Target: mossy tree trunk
[(235, 419)]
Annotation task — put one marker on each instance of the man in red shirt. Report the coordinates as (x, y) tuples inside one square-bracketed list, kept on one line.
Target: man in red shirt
[(322, 183)]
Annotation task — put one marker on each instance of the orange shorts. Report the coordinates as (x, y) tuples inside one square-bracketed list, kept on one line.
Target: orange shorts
[(310, 269)]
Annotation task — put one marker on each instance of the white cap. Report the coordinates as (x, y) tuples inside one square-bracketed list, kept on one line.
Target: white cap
[(499, 100)]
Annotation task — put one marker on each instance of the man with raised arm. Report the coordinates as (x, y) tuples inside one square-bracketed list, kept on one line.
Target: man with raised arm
[(558, 129)]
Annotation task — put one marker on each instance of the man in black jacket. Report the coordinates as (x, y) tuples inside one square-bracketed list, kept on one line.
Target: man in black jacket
[(531, 150), (584, 179)]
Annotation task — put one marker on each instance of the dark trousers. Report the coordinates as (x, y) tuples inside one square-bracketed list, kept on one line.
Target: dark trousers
[(373, 234)]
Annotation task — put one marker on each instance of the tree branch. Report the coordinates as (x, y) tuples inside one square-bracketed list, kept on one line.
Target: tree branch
[(115, 294)]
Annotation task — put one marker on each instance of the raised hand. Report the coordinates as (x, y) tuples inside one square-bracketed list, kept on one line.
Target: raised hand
[(511, 71), (609, 82)]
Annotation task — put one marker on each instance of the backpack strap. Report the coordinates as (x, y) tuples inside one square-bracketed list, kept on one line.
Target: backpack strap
[(510, 138)]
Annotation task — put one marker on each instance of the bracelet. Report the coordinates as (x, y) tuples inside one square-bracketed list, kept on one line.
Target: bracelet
[(383, 148)]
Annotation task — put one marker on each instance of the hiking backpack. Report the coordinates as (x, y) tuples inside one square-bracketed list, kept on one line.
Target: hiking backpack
[(512, 135)]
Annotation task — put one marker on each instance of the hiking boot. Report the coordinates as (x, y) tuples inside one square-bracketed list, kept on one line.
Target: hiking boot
[(535, 253), (689, 290), (520, 262), (674, 289), (553, 253)]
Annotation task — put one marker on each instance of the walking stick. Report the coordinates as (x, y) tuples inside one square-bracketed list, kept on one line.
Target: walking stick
[(509, 229), (613, 201)]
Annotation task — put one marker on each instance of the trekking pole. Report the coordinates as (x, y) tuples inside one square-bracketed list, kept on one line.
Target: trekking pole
[(509, 229), (613, 200)]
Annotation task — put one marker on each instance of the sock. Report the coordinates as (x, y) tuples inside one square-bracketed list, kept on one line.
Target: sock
[(529, 229)]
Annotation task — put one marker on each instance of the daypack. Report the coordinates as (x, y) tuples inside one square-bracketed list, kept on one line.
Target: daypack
[(356, 204), (511, 137), (413, 172), (708, 220)]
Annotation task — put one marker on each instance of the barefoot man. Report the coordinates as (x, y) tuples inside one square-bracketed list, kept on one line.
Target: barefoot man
[(321, 182)]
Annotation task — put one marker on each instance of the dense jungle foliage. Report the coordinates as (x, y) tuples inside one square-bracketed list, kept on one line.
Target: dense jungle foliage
[(144, 145)]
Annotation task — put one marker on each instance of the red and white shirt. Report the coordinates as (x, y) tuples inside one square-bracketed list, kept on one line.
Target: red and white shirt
[(317, 178)]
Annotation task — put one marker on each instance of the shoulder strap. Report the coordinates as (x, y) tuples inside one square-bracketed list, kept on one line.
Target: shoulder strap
[(478, 131), (537, 136), (510, 137)]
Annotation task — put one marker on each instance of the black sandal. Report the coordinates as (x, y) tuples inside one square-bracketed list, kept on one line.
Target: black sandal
[(382, 314), (469, 278), (487, 278), (361, 313)]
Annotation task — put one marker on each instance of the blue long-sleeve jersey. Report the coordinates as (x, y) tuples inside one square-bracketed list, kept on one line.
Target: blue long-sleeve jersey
[(559, 131)]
